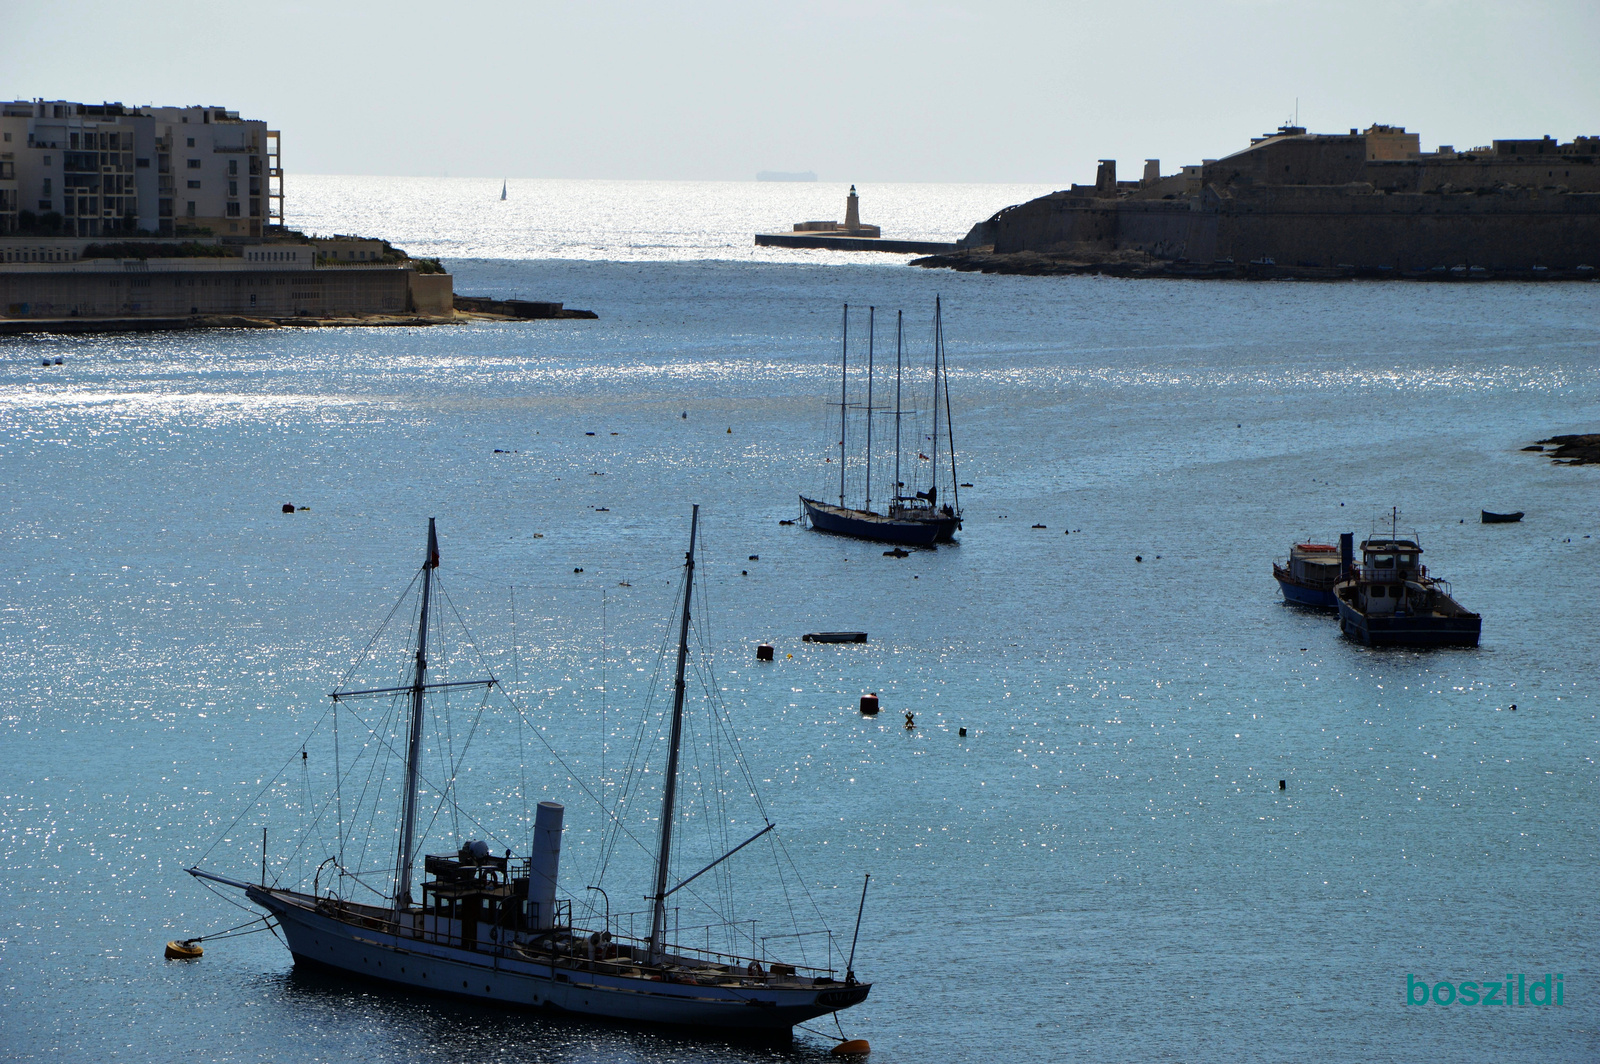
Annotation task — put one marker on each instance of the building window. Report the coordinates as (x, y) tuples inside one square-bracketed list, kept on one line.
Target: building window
[(47, 186), (191, 139), (190, 210), (233, 188), (194, 164), (143, 164), (233, 209), (233, 167), (47, 160), (44, 205), (8, 138), (193, 183)]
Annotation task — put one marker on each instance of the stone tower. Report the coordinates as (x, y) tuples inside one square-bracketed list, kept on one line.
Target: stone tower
[(852, 211)]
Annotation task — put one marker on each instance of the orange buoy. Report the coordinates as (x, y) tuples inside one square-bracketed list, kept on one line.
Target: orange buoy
[(187, 950), (854, 1047), (869, 704)]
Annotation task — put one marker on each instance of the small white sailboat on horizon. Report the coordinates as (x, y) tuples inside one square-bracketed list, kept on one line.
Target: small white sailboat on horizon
[(502, 188)]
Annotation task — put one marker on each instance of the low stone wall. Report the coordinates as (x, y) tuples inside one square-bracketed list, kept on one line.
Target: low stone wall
[(126, 291)]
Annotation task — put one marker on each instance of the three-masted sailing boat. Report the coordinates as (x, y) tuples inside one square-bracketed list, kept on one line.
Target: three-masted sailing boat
[(917, 519), (493, 928)]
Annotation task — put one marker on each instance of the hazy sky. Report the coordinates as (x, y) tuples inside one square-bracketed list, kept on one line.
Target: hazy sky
[(866, 91)]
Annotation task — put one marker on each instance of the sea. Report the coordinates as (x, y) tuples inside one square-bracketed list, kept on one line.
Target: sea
[(1145, 812)]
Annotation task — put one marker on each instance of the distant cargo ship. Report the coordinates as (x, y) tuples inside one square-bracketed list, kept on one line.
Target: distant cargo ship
[(786, 175)]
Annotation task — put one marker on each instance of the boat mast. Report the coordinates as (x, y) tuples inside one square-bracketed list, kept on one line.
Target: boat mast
[(408, 820), (658, 914), (933, 482), (844, 381), (949, 424), (899, 319), (872, 332)]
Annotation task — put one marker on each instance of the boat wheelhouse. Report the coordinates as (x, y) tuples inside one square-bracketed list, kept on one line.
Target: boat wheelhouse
[(1390, 600)]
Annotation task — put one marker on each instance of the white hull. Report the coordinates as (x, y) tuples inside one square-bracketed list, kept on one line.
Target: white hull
[(506, 975)]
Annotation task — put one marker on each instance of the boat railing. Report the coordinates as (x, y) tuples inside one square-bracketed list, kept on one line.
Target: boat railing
[(1392, 575)]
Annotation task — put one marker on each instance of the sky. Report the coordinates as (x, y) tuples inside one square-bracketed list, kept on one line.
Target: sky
[(870, 91)]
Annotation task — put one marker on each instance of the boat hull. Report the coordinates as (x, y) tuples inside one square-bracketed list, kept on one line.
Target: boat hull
[(859, 524), (509, 978), (1409, 631), (1299, 593)]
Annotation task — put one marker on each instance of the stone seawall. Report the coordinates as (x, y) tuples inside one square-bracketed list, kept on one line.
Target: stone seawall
[(138, 289)]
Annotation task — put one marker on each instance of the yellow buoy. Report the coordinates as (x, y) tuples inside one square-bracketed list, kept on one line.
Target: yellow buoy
[(854, 1047), (187, 950)]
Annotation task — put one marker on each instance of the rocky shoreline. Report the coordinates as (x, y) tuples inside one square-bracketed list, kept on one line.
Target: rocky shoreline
[(1134, 265), (1582, 449)]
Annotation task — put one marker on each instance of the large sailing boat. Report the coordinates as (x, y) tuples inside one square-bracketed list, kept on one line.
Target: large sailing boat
[(493, 928), (917, 519)]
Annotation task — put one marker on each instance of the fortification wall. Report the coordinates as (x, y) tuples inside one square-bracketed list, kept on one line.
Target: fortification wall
[(1295, 225), (133, 292), (1409, 232)]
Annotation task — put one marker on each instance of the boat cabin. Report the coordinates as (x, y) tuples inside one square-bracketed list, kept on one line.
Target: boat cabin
[(1315, 564), (1392, 578), (473, 899)]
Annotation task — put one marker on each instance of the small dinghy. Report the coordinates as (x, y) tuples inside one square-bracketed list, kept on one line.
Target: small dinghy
[(1491, 518), (835, 637)]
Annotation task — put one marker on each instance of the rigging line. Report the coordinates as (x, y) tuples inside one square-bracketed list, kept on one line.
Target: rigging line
[(635, 771), (366, 787), (383, 742), (270, 784), (226, 897), (455, 776), (338, 785), (379, 633), (516, 684)]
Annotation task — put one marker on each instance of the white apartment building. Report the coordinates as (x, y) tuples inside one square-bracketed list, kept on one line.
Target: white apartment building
[(109, 171)]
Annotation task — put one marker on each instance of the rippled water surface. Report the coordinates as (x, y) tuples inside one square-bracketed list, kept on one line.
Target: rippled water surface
[(1104, 869)]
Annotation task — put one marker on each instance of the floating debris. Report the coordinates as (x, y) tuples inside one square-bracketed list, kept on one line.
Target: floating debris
[(898, 552), (1038, 526), (785, 522), (835, 637)]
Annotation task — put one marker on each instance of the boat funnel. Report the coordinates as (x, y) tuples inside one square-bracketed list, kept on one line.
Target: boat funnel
[(543, 864), (1347, 553)]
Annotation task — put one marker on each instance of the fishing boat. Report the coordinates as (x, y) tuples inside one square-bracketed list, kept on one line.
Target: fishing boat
[(497, 929), (911, 517), (1492, 518), (1309, 577), (1391, 601)]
